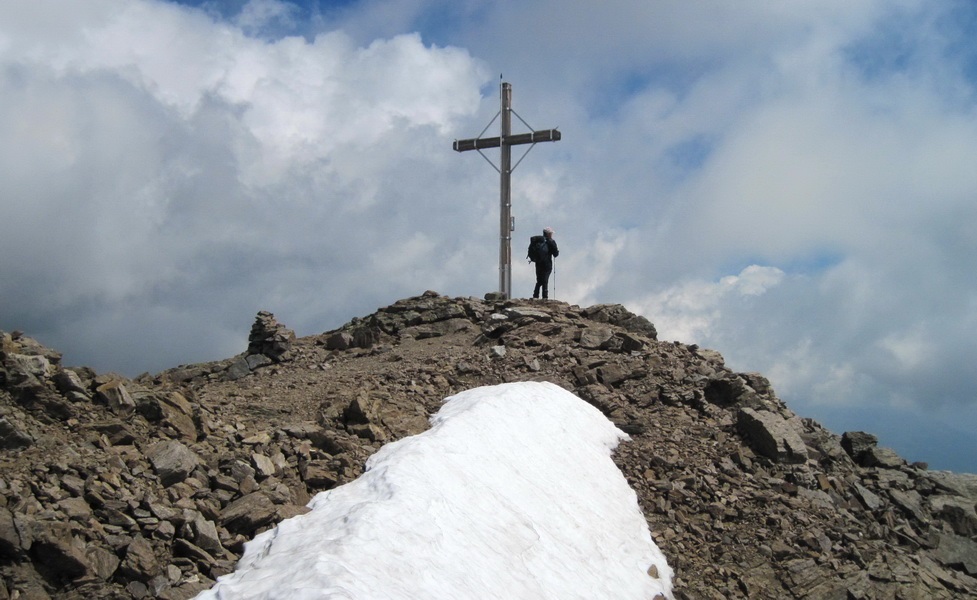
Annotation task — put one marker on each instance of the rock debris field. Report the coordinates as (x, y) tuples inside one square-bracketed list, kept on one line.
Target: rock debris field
[(149, 487)]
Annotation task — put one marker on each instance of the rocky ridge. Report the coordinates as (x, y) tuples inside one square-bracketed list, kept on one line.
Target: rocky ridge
[(148, 487)]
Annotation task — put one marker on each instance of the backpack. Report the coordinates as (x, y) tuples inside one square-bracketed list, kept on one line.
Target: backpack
[(538, 249)]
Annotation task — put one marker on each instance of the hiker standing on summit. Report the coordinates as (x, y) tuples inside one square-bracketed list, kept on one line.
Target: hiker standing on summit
[(542, 251)]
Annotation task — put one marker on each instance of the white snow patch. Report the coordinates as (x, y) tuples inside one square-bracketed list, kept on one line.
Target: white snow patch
[(511, 494)]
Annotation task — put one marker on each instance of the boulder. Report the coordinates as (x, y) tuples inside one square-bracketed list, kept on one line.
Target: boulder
[(58, 550), (883, 458), (9, 536), (11, 437), (957, 552), (36, 365), (246, 514), (617, 314), (178, 413), (911, 502), (205, 534), (957, 511), (117, 397), (726, 391), (319, 475), (594, 338), (104, 562), (771, 435), (68, 381), (172, 461), (857, 443), (256, 361), (238, 368), (339, 341), (263, 466), (171, 409), (517, 312), (869, 499), (140, 562), (76, 509)]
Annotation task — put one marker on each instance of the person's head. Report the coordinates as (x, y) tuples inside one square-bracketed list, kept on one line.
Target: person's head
[(548, 232)]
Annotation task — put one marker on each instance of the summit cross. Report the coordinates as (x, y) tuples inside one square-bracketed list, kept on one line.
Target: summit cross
[(504, 142)]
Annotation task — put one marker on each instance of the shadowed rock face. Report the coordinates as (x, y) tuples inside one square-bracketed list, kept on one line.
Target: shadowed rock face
[(118, 488)]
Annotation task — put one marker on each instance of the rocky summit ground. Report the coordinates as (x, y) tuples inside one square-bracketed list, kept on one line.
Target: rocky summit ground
[(148, 488)]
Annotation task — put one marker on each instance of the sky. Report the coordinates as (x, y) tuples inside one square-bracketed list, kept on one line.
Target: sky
[(789, 183), (511, 494)]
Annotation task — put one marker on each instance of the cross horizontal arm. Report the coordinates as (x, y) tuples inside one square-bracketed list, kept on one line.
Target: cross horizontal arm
[(544, 135), (476, 144)]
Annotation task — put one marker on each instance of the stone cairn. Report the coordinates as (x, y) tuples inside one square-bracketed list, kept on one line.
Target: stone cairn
[(269, 343)]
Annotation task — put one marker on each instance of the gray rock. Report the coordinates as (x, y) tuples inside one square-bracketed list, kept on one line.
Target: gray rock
[(594, 338), (137, 590), (728, 391), (205, 535), (9, 536), (364, 408), (957, 511), (76, 509), (172, 461), (12, 438), (958, 484), (883, 458), (857, 443), (911, 502), (339, 341), (104, 562), (617, 314), (178, 414), (365, 337), (711, 356), (240, 470), (187, 549), (528, 313), (238, 369), (870, 500), (171, 409), (611, 375), (38, 366), (55, 547), (771, 435), (957, 552), (319, 475), (631, 343), (140, 562), (115, 394), (67, 381), (263, 466), (246, 514), (256, 361)]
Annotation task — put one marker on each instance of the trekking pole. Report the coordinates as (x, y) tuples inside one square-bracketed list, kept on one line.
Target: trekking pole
[(554, 278)]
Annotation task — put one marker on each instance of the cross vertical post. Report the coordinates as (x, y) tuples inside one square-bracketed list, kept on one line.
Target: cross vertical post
[(504, 142), (505, 196)]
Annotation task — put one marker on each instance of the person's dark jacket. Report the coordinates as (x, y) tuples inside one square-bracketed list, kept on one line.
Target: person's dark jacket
[(545, 262)]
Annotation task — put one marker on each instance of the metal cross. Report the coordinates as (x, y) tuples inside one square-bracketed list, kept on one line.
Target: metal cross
[(505, 141)]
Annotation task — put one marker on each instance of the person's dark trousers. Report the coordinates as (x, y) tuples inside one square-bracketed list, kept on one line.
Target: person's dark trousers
[(542, 280)]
